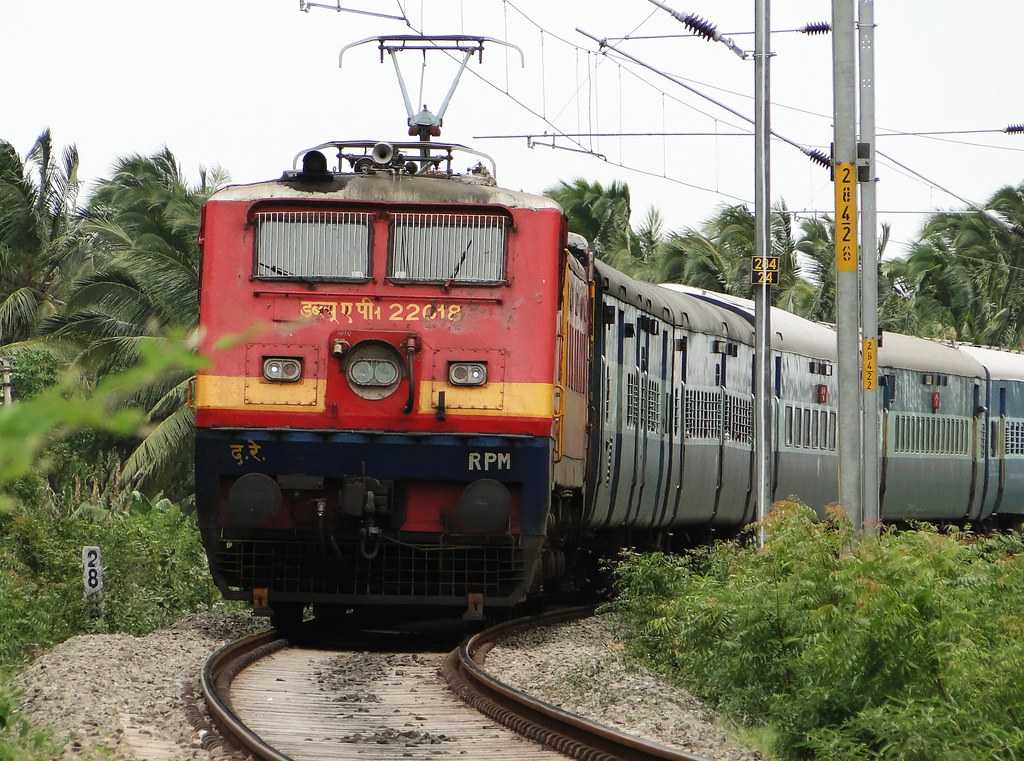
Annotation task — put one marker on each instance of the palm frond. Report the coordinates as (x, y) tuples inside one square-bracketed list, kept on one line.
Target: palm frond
[(165, 450), (18, 312)]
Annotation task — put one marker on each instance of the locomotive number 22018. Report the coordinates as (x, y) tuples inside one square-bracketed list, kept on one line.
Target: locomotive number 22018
[(349, 311), (411, 312)]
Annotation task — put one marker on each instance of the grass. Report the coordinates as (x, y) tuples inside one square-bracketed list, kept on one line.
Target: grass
[(155, 571), (907, 647), (154, 566)]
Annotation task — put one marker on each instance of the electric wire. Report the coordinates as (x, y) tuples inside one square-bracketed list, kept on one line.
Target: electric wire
[(603, 43), (811, 28), (812, 154), (925, 135), (1004, 131), (622, 61), (583, 148), (613, 134)]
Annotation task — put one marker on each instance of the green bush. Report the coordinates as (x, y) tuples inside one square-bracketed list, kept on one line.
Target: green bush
[(908, 646), (20, 741), (35, 369), (154, 570)]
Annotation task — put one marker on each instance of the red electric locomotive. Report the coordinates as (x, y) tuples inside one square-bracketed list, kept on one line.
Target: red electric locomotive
[(399, 359)]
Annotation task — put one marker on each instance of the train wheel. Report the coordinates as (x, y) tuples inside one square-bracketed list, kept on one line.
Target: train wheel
[(286, 617)]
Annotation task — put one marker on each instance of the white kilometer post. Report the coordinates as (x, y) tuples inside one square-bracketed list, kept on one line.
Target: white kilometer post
[(92, 570)]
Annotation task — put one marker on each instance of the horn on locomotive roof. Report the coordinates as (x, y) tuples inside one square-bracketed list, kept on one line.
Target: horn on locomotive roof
[(425, 124), (382, 153)]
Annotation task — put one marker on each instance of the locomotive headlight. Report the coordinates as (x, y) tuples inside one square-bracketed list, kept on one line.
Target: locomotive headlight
[(282, 369), (373, 372), (373, 369), (384, 372), (361, 372), (467, 373)]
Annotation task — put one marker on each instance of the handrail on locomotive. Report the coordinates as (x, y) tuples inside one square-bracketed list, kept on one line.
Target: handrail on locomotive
[(429, 153)]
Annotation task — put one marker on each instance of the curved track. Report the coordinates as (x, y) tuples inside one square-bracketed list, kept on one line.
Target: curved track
[(291, 705)]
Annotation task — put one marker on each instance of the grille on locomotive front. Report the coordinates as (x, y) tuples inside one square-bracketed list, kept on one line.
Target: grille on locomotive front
[(398, 570), (442, 248), (313, 245)]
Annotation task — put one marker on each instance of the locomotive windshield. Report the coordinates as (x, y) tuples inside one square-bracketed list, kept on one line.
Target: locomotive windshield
[(313, 245), (447, 248)]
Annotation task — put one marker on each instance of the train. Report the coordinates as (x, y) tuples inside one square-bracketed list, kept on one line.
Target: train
[(424, 390)]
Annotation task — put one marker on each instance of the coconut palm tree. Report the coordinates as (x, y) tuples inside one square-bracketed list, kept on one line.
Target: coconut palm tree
[(143, 223), (600, 214), (965, 274), (717, 256), (41, 246)]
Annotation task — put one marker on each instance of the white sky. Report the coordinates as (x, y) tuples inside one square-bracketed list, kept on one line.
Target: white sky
[(248, 83)]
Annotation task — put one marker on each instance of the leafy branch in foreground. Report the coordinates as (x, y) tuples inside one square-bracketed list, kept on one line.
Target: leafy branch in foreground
[(26, 428)]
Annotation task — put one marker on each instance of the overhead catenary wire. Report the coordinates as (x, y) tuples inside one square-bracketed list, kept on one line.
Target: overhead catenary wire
[(580, 146), (811, 28), (612, 134), (1012, 129), (816, 156), (927, 135), (813, 154), (702, 27), (622, 61)]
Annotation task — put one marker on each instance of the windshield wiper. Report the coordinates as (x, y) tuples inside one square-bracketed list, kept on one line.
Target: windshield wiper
[(458, 266), (311, 284)]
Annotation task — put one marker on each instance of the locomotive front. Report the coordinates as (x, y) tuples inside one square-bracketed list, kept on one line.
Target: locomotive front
[(375, 423)]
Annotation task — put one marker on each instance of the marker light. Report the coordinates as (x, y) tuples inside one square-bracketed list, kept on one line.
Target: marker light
[(282, 369), (467, 373)]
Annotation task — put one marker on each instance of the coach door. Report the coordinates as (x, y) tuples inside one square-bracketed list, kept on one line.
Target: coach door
[(570, 428), (737, 435)]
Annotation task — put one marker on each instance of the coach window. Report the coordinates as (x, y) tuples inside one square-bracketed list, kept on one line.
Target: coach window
[(312, 245), (789, 426), (468, 249)]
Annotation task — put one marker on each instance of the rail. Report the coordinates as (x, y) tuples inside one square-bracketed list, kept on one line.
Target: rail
[(568, 733), (219, 670), (464, 670)]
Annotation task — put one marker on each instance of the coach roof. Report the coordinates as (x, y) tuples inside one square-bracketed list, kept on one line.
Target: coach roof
[(926, 355), (790, 332), (387, 189), (1001, 365), (682, 310)]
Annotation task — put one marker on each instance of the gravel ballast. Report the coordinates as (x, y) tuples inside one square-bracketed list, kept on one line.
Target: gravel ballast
[(118, 697), (582, 667), (115, 696)]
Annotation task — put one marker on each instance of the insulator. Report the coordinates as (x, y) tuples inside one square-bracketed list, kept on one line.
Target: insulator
[(701, 26), (816, 27), (819, 158), (1014, 129)]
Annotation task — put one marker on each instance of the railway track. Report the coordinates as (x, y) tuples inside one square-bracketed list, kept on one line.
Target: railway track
[(380, 697)]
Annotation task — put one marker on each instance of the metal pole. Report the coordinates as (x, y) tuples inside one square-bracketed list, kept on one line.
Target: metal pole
[(844, 79), (869, 265), (762, 248)]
